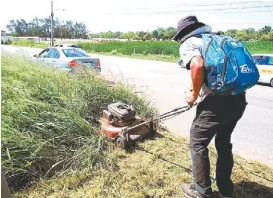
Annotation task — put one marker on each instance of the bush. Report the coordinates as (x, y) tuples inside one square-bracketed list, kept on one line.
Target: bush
[(44, 130)]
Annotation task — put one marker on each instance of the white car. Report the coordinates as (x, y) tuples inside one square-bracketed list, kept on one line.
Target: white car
[(67, 59), (264, 63), (67, 45)]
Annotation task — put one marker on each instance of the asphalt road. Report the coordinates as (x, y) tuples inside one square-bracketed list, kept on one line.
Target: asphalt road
[(165, 85)]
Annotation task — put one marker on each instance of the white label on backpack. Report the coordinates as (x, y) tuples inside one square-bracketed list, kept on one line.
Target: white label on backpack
[(245, 69)]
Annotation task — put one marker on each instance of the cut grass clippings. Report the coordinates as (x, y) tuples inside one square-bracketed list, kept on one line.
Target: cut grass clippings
[(154, 168)]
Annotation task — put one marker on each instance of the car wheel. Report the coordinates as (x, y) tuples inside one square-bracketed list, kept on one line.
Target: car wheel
[(271, 82)]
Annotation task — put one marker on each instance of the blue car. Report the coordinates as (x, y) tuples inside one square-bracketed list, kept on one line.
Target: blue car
[(67, 59), (180, 62)]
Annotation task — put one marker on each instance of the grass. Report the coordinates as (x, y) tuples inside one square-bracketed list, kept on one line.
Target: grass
[(260, 47), (48, 144), (152, 50), (149, 50), (168, 48), (154, 168), (135, 47), (44, 127), (156, 57), (28, 43)]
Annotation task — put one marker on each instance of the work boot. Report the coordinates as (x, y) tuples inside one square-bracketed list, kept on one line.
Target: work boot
[(190, 191)]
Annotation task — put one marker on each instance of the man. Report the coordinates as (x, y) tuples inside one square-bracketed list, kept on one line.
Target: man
[(216, 115)]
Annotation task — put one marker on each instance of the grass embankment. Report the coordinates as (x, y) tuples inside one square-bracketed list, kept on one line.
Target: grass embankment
[(28, 43), (44, 131), (43, 120)]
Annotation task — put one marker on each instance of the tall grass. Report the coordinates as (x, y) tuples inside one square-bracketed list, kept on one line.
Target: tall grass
[(260, 47), (28, 43), (161, 47), (137, 47), (44, 130)]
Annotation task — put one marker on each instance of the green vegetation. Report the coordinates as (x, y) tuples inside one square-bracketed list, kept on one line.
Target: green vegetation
[(69, 29), (47, 140), (39, 27), (134, 47), (44, 130), (160, 47), (260, 47), (155, 168), (152, 50), (157, 57), (28, 43), (250, 34)]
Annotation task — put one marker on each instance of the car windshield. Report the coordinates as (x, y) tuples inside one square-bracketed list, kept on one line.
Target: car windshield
[(74, 53), (257, 59), (76, 46)]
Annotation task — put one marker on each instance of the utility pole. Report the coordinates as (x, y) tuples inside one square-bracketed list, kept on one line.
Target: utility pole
[(52, 14)]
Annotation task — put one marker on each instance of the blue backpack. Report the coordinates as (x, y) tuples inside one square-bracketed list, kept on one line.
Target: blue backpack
[(229, 66)]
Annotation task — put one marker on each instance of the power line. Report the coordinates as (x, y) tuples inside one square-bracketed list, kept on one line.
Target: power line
[(204, 10), (239, 23), (200, 5), (207, 10), (240, 12)]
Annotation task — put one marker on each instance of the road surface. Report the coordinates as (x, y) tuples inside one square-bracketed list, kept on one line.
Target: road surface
[(165, 85)]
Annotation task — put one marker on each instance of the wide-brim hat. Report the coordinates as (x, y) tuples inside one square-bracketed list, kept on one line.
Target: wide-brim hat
[(185, 26)]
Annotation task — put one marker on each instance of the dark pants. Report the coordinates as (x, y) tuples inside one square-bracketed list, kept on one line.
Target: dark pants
[(216, 115)]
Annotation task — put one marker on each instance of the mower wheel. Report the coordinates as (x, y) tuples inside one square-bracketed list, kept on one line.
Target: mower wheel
[(152, 129), (121, 142)]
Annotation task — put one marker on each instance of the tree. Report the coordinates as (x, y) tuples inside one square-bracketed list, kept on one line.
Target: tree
[(148, 36), (242, 36), (169, 33), (68, 29), (266, 29), (117, 34), (34, 27), (231, 32), (155, 34), (268, 37), (141, 35), (161, 35)]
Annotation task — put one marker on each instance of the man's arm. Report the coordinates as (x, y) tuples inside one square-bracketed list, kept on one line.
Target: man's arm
[(197, 76)]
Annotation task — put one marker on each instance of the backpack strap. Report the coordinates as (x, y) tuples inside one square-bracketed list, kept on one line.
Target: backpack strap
[(225, 60)]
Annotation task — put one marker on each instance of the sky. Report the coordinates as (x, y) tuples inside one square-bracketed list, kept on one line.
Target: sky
[(146, 15)]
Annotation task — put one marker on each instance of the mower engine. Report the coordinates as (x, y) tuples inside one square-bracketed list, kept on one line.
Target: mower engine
[(117, 121)]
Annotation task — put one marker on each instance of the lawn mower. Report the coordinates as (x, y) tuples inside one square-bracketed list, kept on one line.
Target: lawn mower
[(121, 124)]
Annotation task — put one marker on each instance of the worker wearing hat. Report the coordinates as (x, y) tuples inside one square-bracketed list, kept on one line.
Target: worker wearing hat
[(215, 116)]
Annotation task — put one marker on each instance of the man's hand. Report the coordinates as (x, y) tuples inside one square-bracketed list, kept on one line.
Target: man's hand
[(190, 98)]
